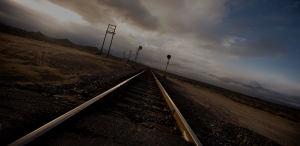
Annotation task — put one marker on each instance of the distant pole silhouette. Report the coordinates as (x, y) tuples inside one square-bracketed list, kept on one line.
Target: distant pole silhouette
[(111, 30), (123, 55), (104, 40), (129, 56), (110, 45), (137, 53), (169, 56)]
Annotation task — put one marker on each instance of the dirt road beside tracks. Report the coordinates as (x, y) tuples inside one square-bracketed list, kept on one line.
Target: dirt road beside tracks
[(276, 128)]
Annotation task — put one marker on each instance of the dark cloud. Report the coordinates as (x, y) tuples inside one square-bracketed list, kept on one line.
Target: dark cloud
[(294, 5), (103, 11), (183, 19), (260, 47), (19, 16), (23, 17), (258, 90), (132, 11), (166, 4), (238, 81), (90, 11), (252, 84), (190, 20), (242, 26), (185, 60)]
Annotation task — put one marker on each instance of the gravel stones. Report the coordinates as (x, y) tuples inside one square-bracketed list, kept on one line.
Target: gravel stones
[(25, 107)]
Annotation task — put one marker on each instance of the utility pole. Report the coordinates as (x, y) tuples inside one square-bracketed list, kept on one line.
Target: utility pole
[(103, 41), (137, 53), (169, 56), (111, 30), (123, 56), (129, 56)]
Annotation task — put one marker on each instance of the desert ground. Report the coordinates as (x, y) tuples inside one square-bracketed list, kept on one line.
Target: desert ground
[(31, 60), (283, 130), (35, 76)]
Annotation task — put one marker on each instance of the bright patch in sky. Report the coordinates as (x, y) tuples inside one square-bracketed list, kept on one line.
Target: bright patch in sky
[(53, 10), (226, 42)]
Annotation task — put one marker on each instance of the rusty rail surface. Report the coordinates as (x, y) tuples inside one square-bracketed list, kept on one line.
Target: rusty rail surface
[(40, 131), (183, 126)]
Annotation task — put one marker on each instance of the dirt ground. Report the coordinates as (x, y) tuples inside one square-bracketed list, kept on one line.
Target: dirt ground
[(28, 60), (40, 81), (281, 130)]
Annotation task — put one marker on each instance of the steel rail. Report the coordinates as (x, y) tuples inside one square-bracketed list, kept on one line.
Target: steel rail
[(183, 126), (40, 131)]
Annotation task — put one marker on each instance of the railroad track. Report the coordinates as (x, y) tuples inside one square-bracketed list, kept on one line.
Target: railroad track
[(137, 111)]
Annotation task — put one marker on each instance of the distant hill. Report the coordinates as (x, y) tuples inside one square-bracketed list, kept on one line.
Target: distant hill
[(41, 37)]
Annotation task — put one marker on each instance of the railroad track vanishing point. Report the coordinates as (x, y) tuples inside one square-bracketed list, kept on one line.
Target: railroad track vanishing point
[(137, 111)]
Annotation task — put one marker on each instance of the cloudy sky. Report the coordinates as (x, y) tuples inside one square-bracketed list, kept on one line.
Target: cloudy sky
[(250, 46)]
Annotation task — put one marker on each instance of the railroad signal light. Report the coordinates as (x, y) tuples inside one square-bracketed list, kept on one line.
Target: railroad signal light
[(137, 53), (169, 56)]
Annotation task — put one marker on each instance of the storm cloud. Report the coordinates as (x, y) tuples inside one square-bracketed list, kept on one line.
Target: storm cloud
[(258, 90), (103, 11)]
